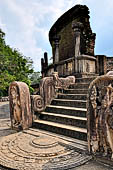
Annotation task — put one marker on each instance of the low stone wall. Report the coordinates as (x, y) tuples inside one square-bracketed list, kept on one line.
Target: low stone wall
[(4, 99)]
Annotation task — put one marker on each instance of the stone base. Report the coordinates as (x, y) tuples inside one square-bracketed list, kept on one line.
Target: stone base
[(85, 75), (35, 150)]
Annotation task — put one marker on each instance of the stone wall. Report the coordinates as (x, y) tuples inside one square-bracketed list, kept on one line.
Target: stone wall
[(63, 29), (109, 64), (4, 99)]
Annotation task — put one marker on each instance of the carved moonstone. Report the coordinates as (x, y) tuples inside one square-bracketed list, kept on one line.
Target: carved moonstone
[(20, 111)]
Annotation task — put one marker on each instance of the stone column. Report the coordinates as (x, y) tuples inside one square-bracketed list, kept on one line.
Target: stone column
[(77, 27), (44, 64), (46, 59), (42, 67), (56, 43)]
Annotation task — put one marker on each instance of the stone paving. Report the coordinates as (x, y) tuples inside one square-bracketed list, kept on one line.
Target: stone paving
[(35, 149)]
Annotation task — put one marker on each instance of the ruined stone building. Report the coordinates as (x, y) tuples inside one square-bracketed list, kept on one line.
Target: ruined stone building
[(73, 42), (76, 90)]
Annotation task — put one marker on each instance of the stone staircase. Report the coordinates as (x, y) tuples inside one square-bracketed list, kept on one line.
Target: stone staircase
[(67, 113)]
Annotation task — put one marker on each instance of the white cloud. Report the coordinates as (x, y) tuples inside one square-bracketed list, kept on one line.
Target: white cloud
[(3, 25), (27, 23)]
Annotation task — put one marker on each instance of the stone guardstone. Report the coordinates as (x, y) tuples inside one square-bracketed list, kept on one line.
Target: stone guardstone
[(20, 106)]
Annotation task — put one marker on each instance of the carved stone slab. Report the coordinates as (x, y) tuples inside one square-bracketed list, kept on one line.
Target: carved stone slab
[(48, 86), (20, 106), (37, 103), (100, 116)]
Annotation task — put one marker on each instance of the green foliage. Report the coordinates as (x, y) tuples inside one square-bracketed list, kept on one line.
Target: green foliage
[(13, 66), (35, 77)]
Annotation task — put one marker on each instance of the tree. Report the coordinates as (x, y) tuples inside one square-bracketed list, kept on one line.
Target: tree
[(13, 66), (35, 78)]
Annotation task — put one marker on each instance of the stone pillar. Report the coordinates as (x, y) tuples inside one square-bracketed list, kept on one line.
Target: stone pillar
[(42, 67), (44, 64), (56, 43), (46, 59), (77, 34)]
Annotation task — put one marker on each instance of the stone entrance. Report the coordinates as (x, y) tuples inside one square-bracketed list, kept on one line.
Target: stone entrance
[(36, 149)]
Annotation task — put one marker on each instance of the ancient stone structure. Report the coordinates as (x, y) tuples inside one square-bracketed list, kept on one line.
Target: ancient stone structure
[(73, 99), (73, 43), (109, 63), (100, 116), (37, 103), (49, 86), (20, 110)]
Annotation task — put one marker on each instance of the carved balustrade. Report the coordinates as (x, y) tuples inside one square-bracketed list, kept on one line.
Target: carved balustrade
[(20, 110), (100, 116), (49, 86)]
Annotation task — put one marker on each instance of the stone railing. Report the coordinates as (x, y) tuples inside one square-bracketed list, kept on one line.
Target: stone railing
[(83, 64), (49, 86), (100, 116), (23, 106), (37, 103), (4, 99)]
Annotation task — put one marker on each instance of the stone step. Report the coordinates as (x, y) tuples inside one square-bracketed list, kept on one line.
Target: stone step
[(70, 103), (79, 86), (68, 130), (85, 80), (72, 96), (78, 144), (75, 91), (64, 119), (64, 110)]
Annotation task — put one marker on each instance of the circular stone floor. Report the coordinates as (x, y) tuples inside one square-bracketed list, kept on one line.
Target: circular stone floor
[(33, 150)]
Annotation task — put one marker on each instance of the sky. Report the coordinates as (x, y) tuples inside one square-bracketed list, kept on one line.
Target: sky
[(27, 24)]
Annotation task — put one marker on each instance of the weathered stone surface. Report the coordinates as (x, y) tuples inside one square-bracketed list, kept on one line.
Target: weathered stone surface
[(48, 86), (37, 103), (4, 99), (69, 39), (77, 159), (47, 90), (62, 83), (33, 149), (100, 116), (110, 73), (20, 108), (63, 27), (109, 64)]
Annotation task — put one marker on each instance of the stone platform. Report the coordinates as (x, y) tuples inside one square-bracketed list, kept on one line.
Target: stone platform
[(40, 150), (35, 149), (32, 149)]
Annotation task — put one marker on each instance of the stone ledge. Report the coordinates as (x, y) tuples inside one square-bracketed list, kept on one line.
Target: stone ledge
[(4, 99)]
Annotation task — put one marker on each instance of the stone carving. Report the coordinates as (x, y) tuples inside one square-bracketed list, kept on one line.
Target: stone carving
[(37, 103), (100, 116), (49, 86), (77, 27), (110, 73), (20, 111), (47, 90), (62, 83)]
